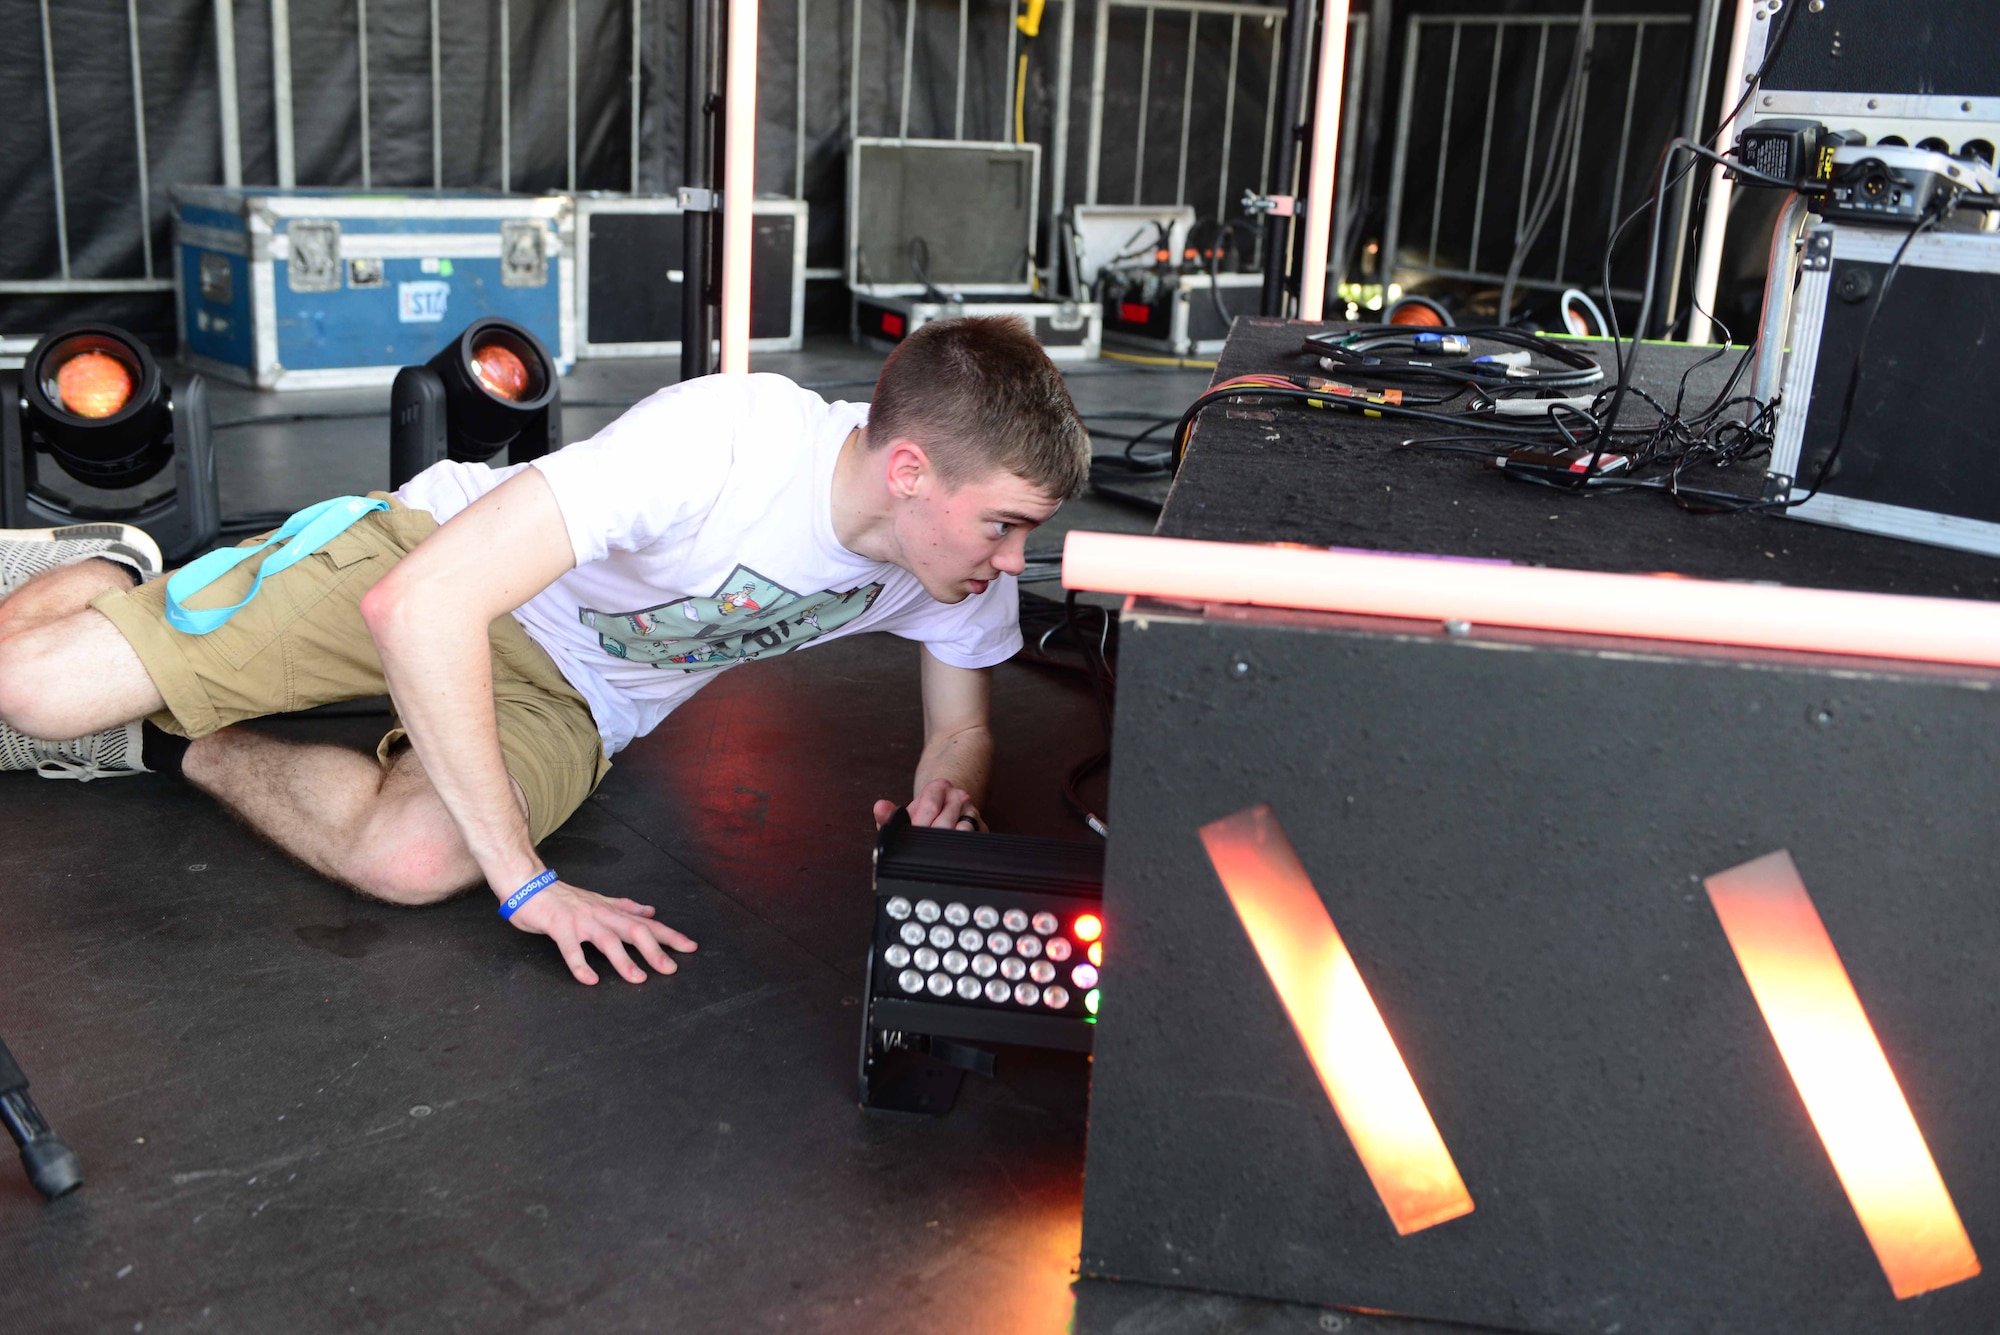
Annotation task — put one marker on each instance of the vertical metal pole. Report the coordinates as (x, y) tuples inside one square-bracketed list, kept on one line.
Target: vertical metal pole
[(1228, 120), (697, 174), (958, 113), (854, 76), (1399, 161), (638, 36), (506, 99), (1187, 108), (225, 72), (1715, 218), (1271, 93), (437, 104), (1586, 33), (1145, 106), (1100, 38), (1353, 112), (281, 89), (1007, 84), (571, 96), (739, 182), (1534, 120), (1485, 147), (1325, 145), (1059, 134), (1625, 128), (1285, 152), (361, 63), (909, 55), (139, 138), (55, 142), (1703, 54), (1444, 140), (799, 110)]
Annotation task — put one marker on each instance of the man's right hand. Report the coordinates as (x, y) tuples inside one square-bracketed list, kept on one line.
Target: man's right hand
[(570, 916)]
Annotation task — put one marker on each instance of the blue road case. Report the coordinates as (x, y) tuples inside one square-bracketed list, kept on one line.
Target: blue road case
[(316, 289)]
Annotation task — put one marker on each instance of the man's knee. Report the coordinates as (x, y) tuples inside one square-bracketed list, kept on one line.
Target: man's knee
[(410, 859), (27, 704)]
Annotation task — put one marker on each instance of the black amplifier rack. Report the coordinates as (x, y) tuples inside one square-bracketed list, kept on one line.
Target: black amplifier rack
[(979, 938)]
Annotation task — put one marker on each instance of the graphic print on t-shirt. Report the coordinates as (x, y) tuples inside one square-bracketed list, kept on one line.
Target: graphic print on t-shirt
[(747, 617)]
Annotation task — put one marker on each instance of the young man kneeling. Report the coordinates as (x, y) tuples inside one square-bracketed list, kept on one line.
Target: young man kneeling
[(528, 622)]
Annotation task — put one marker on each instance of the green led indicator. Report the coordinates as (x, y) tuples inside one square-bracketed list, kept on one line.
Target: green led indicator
[(1090, 1000)]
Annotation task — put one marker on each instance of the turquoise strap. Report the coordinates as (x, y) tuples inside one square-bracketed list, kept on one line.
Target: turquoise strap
[(308, 531)]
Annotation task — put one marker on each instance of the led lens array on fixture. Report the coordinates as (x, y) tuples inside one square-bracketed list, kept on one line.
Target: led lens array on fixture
[(952, 951)]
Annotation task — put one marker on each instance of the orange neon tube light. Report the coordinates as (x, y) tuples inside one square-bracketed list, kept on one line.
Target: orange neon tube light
[(1319, 172), (1837, 1063), (1336, 1020), (739, 182), (1945, 630)]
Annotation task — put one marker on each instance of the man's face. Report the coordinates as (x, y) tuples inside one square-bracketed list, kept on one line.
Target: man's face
[(957, 540)]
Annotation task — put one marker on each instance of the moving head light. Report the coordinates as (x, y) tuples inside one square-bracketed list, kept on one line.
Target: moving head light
[(492, 387), (91, 400)]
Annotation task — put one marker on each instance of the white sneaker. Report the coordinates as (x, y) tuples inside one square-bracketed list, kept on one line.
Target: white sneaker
[(27, 552), (111, 754)]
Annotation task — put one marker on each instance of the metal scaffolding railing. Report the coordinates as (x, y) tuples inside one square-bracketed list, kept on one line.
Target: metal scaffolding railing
[(1446, 69)]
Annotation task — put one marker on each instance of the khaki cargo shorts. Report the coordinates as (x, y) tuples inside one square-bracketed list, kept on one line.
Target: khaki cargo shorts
[(301, 642)]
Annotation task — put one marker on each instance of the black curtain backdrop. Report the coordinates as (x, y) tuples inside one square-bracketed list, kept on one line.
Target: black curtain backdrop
[(92, 55)]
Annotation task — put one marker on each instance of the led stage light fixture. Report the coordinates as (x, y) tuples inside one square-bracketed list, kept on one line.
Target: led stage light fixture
[(91, 401), (978, 938), (493, 387)]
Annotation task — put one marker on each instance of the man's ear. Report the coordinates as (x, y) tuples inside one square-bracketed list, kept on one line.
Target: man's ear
[(907, 466)]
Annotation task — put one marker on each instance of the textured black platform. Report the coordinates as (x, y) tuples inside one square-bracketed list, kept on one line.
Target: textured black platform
[(1285, 475), (1510, 830)]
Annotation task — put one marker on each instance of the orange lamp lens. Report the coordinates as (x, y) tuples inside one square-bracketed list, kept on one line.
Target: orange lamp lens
[(93, 384), (1089, 927), (1418, 316), (503, 373), (1836, 1061), (1335, 1017), (1096, 952)]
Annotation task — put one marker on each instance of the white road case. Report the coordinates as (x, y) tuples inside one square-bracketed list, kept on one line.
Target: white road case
[(1069, 331)]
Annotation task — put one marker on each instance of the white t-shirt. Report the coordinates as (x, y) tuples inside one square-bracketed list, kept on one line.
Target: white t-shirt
[(702, 522)]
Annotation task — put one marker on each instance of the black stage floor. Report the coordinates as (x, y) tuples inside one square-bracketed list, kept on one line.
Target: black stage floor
[(298, 1110)]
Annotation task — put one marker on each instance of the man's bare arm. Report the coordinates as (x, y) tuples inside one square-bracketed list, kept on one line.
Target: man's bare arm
[(429, 617), (958, 747)]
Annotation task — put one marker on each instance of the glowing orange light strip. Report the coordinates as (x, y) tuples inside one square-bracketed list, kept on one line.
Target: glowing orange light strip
[(1838, 1066), (1880, 625), (1319, 169), (1336, 1020), (739, 182)]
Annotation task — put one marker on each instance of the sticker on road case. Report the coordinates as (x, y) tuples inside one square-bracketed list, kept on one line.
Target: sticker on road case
[(422, 302)]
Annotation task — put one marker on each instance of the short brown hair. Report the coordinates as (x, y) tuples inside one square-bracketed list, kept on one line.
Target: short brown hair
[(980, 395)]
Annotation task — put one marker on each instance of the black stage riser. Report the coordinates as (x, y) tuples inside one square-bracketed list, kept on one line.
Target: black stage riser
[(1510, 833)]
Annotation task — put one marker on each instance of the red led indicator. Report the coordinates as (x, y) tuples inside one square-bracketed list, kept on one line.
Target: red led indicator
[(1131, 312), (892, 324), (1088, 927)]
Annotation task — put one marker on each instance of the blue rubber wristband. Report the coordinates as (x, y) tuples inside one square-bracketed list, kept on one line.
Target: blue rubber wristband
[(527, 892)]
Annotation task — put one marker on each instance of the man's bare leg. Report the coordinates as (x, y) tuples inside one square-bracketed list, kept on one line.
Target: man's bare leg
[(58, 593), (384, 832), (65, 671)]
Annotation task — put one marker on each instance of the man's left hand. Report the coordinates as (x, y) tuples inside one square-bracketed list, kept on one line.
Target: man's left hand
[(941, 805)]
